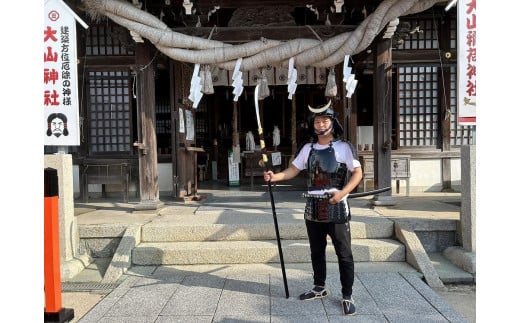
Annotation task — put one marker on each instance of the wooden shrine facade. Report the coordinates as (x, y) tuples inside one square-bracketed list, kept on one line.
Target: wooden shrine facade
[(135, 104)]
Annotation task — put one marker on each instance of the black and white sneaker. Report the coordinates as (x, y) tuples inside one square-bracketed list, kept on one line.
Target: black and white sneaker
[(348, 307), (314, 293)]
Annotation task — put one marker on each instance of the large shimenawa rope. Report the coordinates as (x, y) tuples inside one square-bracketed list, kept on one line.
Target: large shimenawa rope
[(259, 53)]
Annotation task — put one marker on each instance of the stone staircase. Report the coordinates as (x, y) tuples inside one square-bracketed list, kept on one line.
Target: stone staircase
[(241, 231), (237, 227)]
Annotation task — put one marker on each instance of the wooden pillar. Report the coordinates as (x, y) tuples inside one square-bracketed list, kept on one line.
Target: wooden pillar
[(180, 156), (147, 139), (236, 137), (174, 128), (350, 124), (383, 119), (445, 77), (349, 111), (445, 130), (294, 145)]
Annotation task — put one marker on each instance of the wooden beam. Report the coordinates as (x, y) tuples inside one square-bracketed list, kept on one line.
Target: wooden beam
[(247, 34), (320, 4), (423, 56)]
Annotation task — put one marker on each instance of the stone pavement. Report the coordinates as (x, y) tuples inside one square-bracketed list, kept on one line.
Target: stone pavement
[(255, 293), (383, 292)]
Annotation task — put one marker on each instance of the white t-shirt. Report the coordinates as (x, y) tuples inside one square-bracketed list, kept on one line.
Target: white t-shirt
[(342, 152)]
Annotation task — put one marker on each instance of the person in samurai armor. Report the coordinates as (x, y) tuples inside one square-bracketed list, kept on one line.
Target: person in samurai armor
[(333, 171)]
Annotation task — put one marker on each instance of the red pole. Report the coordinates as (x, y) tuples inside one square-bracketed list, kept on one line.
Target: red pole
[(51, 244), (52, 256)]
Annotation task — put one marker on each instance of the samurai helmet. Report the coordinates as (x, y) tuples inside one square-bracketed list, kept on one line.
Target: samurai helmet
[(326, 111)]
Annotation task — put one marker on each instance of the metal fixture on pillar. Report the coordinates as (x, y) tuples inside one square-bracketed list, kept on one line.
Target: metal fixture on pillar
[(188, 5)]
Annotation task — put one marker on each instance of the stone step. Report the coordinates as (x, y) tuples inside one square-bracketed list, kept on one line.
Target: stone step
[(257, 252), (219, 226)]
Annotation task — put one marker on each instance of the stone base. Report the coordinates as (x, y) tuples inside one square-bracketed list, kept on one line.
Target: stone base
[(64, 315), (194, 198), (461, 258), (383, 200), (71, 268), (149, 205), (448, 190)]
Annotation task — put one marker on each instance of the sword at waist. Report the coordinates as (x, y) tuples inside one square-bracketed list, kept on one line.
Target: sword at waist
[(324, 196)]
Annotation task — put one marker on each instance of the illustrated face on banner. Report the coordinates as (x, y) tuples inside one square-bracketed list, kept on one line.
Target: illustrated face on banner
[(57, 125)]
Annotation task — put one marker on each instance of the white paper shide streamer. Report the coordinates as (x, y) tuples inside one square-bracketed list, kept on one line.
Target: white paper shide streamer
[(292, 76), (348, 78), (196, 87), (238, 82)]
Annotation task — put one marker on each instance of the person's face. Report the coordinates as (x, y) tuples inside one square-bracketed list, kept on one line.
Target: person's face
[(322, 124), (57, 127)]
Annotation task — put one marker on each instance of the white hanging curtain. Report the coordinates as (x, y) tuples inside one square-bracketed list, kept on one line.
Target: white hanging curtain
[(331, 90), (263, 90), (207, 80)]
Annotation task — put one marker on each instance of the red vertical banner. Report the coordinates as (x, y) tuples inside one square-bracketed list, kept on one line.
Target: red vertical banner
[(467, 62)]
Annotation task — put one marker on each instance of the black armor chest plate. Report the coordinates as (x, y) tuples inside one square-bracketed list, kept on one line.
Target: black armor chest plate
[(324, 171)]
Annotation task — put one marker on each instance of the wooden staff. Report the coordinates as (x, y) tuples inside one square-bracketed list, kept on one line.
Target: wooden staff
[(264, 160)]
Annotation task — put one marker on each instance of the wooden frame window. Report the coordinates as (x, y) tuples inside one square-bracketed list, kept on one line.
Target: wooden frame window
[(108, 39), (163, 113), (422, 32), (201, 123), (420, 93), (110, 112), (424, 35), (418, 106)]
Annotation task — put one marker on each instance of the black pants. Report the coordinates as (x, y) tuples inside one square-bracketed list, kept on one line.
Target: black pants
[(341, 239)]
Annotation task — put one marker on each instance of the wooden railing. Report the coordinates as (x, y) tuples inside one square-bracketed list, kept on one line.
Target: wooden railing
[(105, 172), (400, 170)]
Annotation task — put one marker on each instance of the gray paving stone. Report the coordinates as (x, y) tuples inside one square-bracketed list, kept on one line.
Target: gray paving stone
[(393, 294), (185, 319), (364, 302), (414, 318), (297, 318), (124, 287), (245, 296), (197, 295), (147, 297), (358, 318), (236, 318), (435, 300), (128, 319)]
